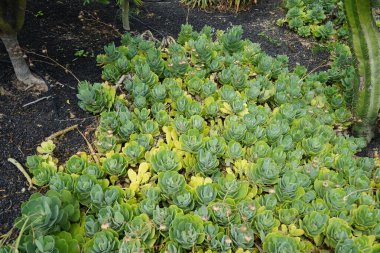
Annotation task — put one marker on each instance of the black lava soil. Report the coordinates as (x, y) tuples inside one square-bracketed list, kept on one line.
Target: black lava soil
[(58, 30)]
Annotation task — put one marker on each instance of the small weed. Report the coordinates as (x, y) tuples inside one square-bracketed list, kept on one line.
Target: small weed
[(83, 53), (39, 14)]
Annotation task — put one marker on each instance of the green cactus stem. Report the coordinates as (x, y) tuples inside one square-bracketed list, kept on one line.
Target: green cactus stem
[(365, 45)]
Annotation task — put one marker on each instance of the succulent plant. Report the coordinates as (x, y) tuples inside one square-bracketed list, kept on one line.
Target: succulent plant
[(276, 243), (95, 98), (337, 230), (104, 241), (115, 165), (187, 230), (165, 160), (49, 213), (210, 145)]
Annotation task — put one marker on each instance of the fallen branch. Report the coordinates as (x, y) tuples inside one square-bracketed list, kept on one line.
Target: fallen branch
[(92, 151), (23, 171), (121, 80), (36, 101), (62, 132)]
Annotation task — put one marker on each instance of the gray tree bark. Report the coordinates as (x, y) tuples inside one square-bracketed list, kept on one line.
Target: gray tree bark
[(22, 71)]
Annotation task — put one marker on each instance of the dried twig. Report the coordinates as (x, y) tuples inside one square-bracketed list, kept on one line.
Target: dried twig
[(323, 64), (149, 35), (121, 80), (97, 19), (259, 248), (55, 62), (23, 171), (4, 197), (62, 132), (36, 101), (148, 26), (93, 154), (75, 119)]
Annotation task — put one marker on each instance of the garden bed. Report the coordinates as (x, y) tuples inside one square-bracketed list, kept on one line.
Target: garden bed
[(62, 34)]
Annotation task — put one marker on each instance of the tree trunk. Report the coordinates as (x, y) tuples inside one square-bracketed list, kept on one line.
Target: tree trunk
[(125, 14), (12, 15), (20, 67)]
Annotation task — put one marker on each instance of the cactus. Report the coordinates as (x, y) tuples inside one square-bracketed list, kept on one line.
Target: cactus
[(365, 45)]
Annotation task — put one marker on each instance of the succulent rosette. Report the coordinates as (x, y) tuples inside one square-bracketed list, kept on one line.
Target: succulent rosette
[(276, 243), (187, 231)]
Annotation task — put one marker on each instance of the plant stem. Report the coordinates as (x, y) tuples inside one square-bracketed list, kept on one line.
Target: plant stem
[(92, 151), (17, 243), (125, 14), (62, 132), (22, 170)]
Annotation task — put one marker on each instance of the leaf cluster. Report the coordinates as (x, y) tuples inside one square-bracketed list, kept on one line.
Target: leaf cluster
[(211, 145), (322, 19)]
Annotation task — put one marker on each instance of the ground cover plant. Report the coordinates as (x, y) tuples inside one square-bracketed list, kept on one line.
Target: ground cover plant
[(207, 145), (220, 4), (323, 19), (57, 109), (356, 18)]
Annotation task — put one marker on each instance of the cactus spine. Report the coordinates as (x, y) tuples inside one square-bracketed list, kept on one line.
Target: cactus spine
[(365, 45)]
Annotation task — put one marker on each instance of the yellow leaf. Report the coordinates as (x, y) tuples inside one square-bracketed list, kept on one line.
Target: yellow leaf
[(110, 153), (253, 191), (145, 178), (132, 175), (113, 179), (244, 112), (143, 168), (318, 240), (276, 111), (284, 228), (229, 171), (227, 106), (177, 144), (167, 135), (161, 142), (196, 181), (294, 231), (134, 186), (208, 180), (40, 150), (174, 134)]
